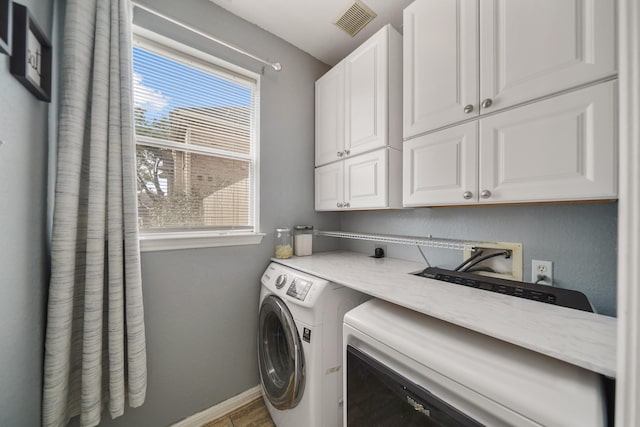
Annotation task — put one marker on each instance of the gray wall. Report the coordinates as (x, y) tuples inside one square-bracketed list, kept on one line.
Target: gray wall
[(23, 263), (581, 239), (201, 305)]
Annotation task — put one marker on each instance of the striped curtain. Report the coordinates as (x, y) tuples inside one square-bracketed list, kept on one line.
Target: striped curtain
[(95, 344)]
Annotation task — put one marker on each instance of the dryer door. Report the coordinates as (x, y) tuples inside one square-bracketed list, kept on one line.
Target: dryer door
[(280, 354)]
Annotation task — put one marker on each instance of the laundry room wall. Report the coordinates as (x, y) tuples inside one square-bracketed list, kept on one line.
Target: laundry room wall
[(201, 305), (580, 239), (23, 261)]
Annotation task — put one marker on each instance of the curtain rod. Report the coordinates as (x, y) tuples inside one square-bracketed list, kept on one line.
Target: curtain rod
[(275, 65)]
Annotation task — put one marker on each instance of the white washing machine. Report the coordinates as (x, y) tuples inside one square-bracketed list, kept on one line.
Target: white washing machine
[(300, 346)]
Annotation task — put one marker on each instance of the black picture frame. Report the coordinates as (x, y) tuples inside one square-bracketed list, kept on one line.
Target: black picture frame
[(31, 54), (5, 26)]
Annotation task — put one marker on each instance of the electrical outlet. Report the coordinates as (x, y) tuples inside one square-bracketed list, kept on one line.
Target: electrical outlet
[(504, 268), (542, 272)]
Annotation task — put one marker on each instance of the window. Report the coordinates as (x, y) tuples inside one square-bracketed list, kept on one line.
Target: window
[(196, 148)]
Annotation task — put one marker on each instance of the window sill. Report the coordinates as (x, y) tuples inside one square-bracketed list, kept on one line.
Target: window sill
[(153, 242)]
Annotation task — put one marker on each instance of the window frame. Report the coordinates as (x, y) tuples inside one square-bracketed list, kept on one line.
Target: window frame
[(159, 240)]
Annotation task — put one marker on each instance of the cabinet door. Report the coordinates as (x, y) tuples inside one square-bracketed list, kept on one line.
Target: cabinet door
[(365, 180), (441, 168), (440, 58), (533, 48), (366, 95), (330, 115), (562, 148), (329, 187)]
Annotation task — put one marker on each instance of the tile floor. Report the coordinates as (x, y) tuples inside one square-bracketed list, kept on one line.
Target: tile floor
[(253, 414)]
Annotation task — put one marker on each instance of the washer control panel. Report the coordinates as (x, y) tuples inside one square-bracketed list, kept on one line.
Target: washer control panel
[(299, 288), (294, 286)]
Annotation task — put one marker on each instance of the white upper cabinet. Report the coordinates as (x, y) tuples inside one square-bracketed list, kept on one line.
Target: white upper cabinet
[(359, 128), (561, 148), (440, 64), (366, 96), (366, 178), (358, 102), (441, 168), (533, 48), (468, 57), (330, 115), (369, 181), (329, 187)]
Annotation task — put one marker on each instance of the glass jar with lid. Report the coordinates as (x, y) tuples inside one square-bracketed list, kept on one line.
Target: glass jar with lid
[(284, 247), (303, 239)]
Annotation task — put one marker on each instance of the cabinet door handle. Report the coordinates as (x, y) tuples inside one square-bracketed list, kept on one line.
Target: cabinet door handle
[(487, 103), (339, 204), (347, 152), (347, 204), (467, 195), (468, 108), (485, 194), (340, 153)]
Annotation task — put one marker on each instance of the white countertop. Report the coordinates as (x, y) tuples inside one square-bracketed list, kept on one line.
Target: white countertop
[(584, 339)]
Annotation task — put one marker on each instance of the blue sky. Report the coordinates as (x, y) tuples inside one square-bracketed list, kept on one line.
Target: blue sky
[(156, 88)]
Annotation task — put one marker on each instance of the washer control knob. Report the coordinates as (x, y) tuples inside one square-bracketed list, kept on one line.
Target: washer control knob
[(281, 280)]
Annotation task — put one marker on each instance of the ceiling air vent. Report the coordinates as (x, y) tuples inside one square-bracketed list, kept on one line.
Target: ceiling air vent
[(355, 18)]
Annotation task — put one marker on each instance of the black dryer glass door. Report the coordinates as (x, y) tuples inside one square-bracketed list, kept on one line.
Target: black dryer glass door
[(377, 396)]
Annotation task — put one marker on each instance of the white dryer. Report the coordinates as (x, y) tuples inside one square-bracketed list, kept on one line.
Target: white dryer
[(404, 368), (300, 346)]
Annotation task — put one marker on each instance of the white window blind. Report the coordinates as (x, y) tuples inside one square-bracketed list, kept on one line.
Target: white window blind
[(196, 139)]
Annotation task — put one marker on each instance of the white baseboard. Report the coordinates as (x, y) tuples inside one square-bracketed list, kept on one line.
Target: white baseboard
[(221, 409)]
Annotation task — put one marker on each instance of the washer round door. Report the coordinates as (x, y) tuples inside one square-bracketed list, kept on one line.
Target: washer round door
[(280, 354)]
